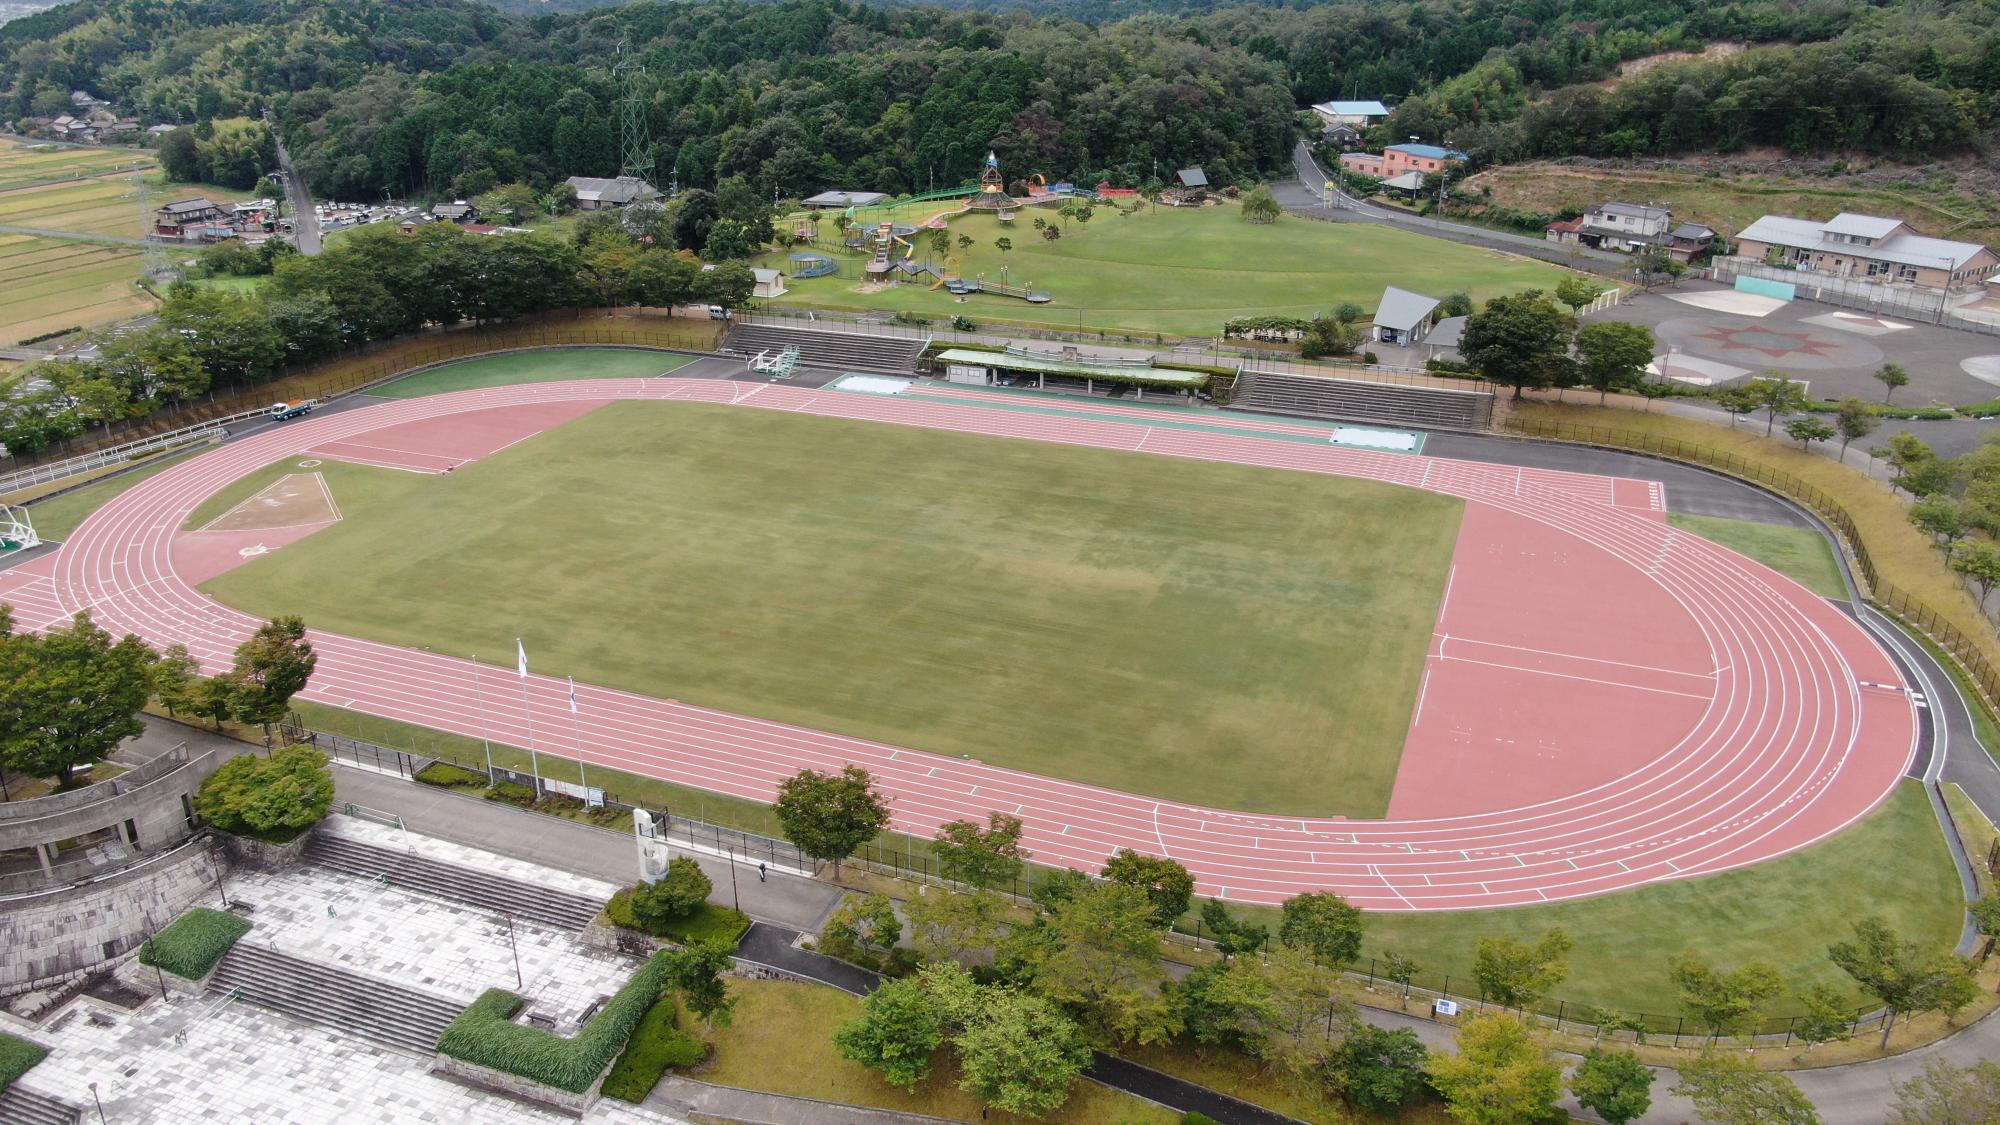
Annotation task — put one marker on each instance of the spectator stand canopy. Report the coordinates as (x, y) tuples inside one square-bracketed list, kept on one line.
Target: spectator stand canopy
[(1067, 370)]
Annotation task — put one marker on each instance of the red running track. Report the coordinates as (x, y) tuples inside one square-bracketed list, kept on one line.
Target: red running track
[(1808, 726)]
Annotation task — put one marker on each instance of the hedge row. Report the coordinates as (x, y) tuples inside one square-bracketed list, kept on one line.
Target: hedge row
[(485, 1034), (448, 776), (191, 945), (709, 922), (17, 1057), (658, 1044)]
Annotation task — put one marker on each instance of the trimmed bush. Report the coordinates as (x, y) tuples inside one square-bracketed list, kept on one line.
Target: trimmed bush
[(191, 945), (484, 1034), (511, 793), (708, 922), (657, 1045), (17, 1057), (271, 799), (448, 776)]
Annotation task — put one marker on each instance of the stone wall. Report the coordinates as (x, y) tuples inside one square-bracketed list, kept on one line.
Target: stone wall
[(257, 855), (514, 1086), (58, 935)]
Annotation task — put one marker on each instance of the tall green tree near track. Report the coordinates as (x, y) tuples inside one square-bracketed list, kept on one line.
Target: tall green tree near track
[(1516, 340), (1903, 975), (1103, 966), (1612, 355), (274, 665), (1577, 292), (69, 697), (1323, 926), (1808, 430), (1260, 206), (1723, 1003), (1852, 420), (174, 677), (1979, 563), (1514, 974), (1500, 1075), (1730, 1090), (980, 857), (1615, 1085), (896, 1034), (827, 816), (1166, 883), (1946, 1094), (1775, 394)]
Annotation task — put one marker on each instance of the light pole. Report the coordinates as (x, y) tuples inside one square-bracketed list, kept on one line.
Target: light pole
[(99, 1103), (735, 896), (515, 948)]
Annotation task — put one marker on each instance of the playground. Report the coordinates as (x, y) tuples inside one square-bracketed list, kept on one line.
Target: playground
[(1168, 270)]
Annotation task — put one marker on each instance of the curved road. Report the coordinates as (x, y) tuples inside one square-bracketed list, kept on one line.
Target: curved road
[(1804, 733)]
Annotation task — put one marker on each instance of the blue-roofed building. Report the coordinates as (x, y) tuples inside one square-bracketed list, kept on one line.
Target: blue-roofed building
[(1363, 114)]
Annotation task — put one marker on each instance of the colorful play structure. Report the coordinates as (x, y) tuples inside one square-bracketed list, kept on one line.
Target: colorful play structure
[(886, 239), (811, 263), (17, 530)]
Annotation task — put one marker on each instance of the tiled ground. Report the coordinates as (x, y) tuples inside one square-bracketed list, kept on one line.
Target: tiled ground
[(209, 1060)]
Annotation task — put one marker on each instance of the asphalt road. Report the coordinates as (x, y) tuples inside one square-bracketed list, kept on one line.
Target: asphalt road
[(305, 223)]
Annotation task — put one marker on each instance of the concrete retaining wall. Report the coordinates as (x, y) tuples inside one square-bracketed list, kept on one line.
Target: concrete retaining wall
[(55, 937)]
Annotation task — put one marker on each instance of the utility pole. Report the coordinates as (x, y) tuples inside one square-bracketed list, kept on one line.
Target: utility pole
[(635, 141)]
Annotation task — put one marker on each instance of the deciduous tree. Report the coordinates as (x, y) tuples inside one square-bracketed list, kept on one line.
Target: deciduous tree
[(1905, 976), (1104, 965), (272, 798), (1808, 430), (1514, 974), (827, 816), (1723, 1003), (69, 697), (272, 666), (897, 1033), (1731, 1091), (1500, 1075), (1615, 1085), (1382, 1070), (677, 893), (1947, 1094), (1891, 376), (1323, 926), (1853, 420), (980, 857), (1166, 883), (1612, 354), (1516, 339)]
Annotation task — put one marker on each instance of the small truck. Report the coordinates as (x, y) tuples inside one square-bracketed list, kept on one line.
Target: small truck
[(283, 410)]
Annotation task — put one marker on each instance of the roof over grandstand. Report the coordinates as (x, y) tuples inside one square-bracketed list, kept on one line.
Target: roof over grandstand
[(1014, 359)]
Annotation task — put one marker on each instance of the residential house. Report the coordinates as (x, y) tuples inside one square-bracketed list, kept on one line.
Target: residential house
[(1397, 159), (842, 200), (1568, 231), (597, 194), (1362, 114), (1625, 227), (1689, 241), (1868, 247), (1403, 317), (1364, 164), (1346, 138), (457, 211), (192, 220)]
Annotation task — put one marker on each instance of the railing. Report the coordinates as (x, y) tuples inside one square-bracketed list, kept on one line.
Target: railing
[(1979, 656), (210, 430), (110, 787), (79, 873)]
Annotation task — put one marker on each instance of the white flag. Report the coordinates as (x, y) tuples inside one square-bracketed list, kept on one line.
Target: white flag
[(522, 651), (572, 695)]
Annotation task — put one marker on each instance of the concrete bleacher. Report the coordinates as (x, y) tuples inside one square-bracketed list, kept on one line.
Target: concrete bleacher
[(1357, 400), (843, 351)]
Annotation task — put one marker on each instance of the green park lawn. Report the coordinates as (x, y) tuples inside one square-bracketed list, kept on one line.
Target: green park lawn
[(1179, 270), (1798, 552), (535, 367), (1222, 634)]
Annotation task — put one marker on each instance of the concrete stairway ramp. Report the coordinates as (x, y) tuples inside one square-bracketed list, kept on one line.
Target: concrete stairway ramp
[(1357, 400), (482, 890), (843, 351), (26, 1107), (367, 1007)]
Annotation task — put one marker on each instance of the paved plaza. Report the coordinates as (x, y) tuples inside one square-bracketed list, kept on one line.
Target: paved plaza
[(211, 1059)]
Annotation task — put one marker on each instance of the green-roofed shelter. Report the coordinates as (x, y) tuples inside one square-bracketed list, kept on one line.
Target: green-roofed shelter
[(1043, 370)]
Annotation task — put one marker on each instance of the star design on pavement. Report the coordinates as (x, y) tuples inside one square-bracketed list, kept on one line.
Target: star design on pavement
[(1773, 343)]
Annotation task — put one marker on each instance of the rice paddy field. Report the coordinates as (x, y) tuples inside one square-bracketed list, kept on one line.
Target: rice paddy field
[(27, 162), (48, 284)]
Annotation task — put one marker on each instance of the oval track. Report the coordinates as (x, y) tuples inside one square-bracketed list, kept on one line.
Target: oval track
[(1794, 744)]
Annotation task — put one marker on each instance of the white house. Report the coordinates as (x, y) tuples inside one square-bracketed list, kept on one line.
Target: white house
[(1403, 317), (770, 283)]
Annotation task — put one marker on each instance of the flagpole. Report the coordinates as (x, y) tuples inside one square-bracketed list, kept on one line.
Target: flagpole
[(576, 736), (528, 712), (485, 731)]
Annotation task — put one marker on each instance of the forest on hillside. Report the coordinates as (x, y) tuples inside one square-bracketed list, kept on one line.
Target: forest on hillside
[(435, 97)]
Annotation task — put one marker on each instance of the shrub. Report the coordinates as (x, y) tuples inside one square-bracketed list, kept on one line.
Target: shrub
[(674, 896), (272, 799), (17, 1057), (485, 1034), (657, 1045), (708, 922), (191, 945), (511, 793), (451, 777)]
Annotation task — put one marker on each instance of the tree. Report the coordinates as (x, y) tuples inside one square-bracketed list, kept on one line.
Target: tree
[(983, 858), (1260, 206), (1323, 926), (861, 928), (1103, 965), (214, 699), (1020, 1054), (273, 798), (948, 926), (1891, 376), (1852, 420), (1003, 244), (1383, 1070), (69, 697), (1945, 519), (1306, 1021), (1612, 354), (1577, 291), (1232, 935), (696, 970), (1774, 395), (1051, 233), (1224, 1002), (1738, 401), (1166, 883), (1500, 1075), (897, 1033), (940, 240), (1515, 340), (1826, 1018), (1916, 467), (1723, 1003), (174, 676), (1400, 970), (1615, 1085), (964, 242), (727, 242), (1654, 263), (1455, 304), (271, 667), (1903, 975), (1514, 974), (1732, 1091), (827, 816), (1978, 561), (1986, 919), (1949, 1095), (679, 892), (1807, 430)]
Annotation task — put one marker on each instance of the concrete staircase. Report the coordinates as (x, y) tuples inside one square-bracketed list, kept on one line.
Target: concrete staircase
[(483, 890), (842, 351), (25, 1107), (368, 1007), (1355, 400)]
